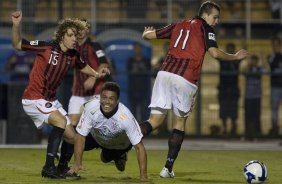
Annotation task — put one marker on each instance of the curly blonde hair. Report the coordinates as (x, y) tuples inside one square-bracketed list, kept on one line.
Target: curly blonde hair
[(69, 23)]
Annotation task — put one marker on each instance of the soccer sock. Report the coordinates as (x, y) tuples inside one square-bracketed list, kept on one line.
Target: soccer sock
[(146, 128), (54, 141), (174, 144), (66, 153)]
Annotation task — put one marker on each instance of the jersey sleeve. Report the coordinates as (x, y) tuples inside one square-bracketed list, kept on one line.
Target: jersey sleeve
[(165, 32), (80, 63), (210, 37), (132, 128), (84, 125), (99, 52), (35, 45)]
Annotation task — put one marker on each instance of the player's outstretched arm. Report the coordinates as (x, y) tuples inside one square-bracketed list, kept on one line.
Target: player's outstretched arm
[(142, 160), (149, 33), (16, 34), (221, 55), (79, 143), (90, 71), (89, 83)]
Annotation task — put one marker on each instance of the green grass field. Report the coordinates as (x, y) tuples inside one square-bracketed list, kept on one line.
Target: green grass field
[(191, 167)]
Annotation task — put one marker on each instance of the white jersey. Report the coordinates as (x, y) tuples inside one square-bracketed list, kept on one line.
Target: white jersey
[(116, 132)]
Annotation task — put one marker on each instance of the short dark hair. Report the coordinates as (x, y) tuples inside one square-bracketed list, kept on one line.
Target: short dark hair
[(112, 86), (207, 7)]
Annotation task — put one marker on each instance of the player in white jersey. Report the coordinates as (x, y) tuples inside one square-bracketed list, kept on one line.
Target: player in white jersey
[(108, 124)]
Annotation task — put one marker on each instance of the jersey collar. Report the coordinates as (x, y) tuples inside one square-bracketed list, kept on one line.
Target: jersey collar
[(110, 114)]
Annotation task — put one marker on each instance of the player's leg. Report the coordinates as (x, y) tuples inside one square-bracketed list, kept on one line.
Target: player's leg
[(118, 156), (58, 121), (42, 111), (174, 145), (157, 117), (67, 148), (160, 103), (184, 94)]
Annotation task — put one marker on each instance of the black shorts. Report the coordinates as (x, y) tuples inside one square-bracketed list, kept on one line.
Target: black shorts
[(109, 154)]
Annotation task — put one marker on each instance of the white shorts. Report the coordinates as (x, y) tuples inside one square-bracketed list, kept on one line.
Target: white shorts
[(76, 103), (39, 110), (171, 91)]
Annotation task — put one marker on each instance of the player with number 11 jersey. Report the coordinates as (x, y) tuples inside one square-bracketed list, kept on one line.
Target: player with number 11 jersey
[(190, 39)]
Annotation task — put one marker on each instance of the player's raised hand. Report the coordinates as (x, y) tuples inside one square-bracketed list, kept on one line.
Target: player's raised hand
[(241, 54), (16, 17), (149, 33), (103, 72)]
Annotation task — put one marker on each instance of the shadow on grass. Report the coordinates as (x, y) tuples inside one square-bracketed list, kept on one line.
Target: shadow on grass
[(188, 177), (108, 179)]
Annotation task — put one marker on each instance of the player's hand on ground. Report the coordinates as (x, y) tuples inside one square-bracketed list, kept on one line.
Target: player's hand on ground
[(16, 17), (103, 72), (144, 178), (75, 169), (241, 54)]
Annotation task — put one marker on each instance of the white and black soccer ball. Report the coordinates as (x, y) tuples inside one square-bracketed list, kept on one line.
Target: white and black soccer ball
[(255, 172)]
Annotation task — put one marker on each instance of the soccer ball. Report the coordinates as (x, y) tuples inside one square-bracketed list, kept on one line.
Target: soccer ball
[(255, 172)]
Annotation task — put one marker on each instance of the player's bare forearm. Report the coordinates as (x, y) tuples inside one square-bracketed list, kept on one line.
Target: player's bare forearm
[(149, 33), (142, 160), (16, 35), (89, 71), (100, 74), (221, 55), (89, 83), (78, 151)]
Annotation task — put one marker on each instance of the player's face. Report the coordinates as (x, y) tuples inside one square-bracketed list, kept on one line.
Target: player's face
[(84, 33), (213, 18), (108, 101), (69, 40)]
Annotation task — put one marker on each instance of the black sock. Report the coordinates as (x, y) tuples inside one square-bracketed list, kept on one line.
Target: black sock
[(54, 141), (174, 144), (146, 128), (66, 153)]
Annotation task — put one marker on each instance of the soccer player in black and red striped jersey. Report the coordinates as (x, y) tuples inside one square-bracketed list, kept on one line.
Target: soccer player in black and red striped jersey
[(84, 87), (176, 83), (53, 60)]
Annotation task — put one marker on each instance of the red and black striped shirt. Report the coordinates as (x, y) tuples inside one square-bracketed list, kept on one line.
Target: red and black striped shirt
[(189, 41), (93, 54), (50, 66)]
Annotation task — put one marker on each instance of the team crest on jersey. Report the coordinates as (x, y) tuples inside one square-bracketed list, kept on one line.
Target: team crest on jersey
[(34, 42), (93, 111), (211, 36), (122, 117), (48, 105), (81, 60)]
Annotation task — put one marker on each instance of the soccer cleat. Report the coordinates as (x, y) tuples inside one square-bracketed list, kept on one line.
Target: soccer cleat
[(102, 158), (51, 172), (120, 163), (63, 168), (166, 174), (72, 175)]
